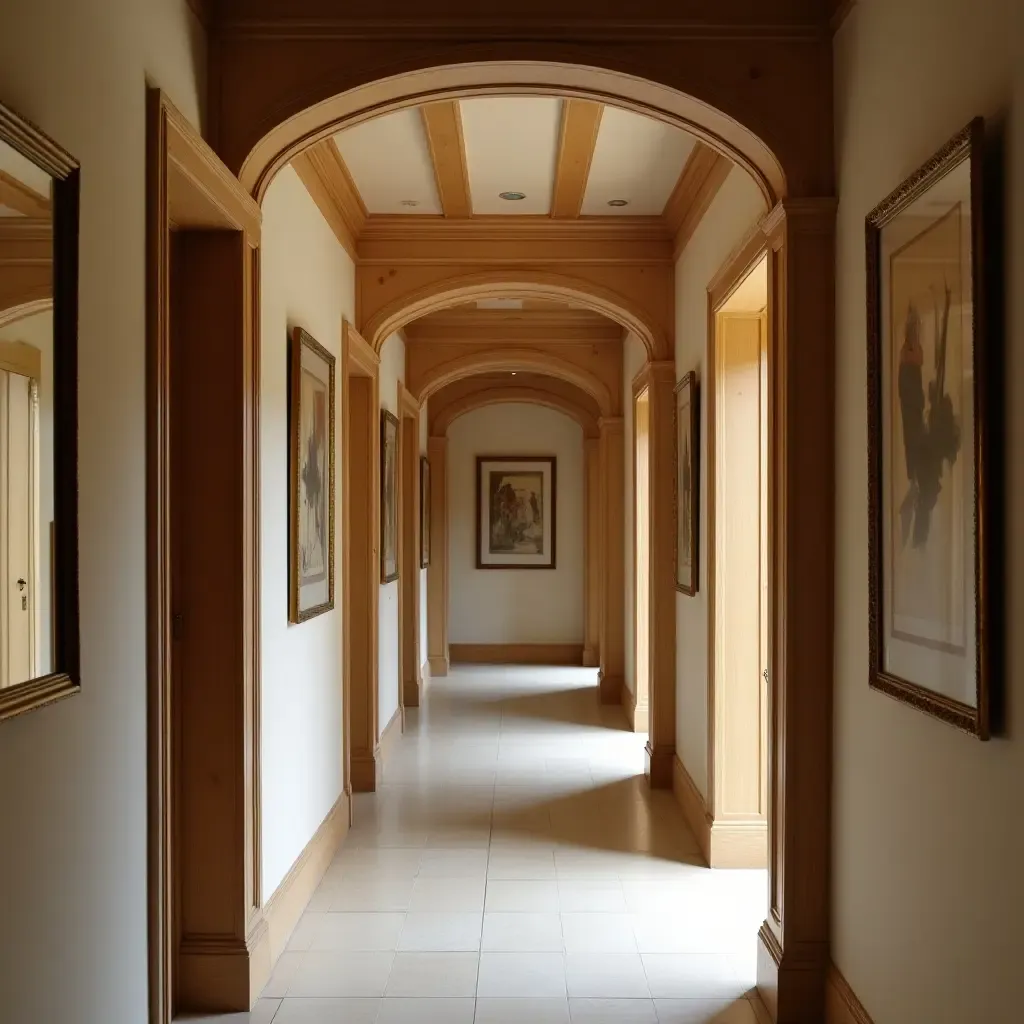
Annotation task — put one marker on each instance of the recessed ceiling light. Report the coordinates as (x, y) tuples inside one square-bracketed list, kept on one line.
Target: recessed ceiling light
[(514, 372), (512, 196), (409, 202), (618, 202)]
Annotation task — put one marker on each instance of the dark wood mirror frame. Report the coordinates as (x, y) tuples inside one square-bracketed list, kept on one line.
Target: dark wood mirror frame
[(65, 679)]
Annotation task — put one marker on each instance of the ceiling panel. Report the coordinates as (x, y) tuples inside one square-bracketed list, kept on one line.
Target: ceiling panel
[(637, 159), (390, 163), (511, 146)]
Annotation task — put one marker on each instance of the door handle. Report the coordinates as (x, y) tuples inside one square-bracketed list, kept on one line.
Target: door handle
[(22, 584)]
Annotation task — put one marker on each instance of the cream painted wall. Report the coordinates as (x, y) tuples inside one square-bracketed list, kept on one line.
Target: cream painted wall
[(927, 823), (308, 281), (37, 331), (499, 606), (634, 355), (424, 426), (735, 210), (392, 370), (73, 942)]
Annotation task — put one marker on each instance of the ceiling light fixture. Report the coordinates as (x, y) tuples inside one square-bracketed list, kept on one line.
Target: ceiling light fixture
[(512, 196), (618, 202), (514, 372)]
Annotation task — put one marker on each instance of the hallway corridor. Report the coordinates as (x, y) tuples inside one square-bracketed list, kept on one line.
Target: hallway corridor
[(515, 867)]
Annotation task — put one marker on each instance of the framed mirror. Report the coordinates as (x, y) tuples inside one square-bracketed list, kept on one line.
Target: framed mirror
[(39, 652)]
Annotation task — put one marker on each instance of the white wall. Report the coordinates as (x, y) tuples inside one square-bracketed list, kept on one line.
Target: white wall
[(308, 281), (508, 605), (634, 355), (37, 331), (734, 211), (73, 800), (424, 430), (928, 829), (392, 370)]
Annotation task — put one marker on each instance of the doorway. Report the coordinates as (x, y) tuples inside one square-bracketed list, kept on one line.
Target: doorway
[(738, 573)]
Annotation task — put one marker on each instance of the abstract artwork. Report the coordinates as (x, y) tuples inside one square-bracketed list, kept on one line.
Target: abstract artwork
[(926, 439), (687, 484), (311, 420), (424, 512), (515, 512), (388, 497)]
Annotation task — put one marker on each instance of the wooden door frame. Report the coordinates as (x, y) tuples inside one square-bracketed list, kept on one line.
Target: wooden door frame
[(637, 709), (727, 841), (410, 657), (360, 591), (188, 187)]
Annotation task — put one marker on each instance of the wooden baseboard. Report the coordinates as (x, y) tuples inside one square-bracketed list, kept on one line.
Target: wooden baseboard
[(389, 737), (282, 911), (365, 773), (590, 658), (437, 665), (516, 654), (659, 767), (723, 844), (692, 805), (841, 1004), (637, 715), (610, 688)]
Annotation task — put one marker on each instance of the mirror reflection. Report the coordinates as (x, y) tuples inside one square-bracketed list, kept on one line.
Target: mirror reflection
[(27, 639)]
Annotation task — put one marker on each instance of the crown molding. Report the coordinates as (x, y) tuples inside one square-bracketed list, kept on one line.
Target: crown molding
[(702, 176), (322, 170)]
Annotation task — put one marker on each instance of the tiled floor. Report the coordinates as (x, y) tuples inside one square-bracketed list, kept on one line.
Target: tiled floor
[(516, 869)]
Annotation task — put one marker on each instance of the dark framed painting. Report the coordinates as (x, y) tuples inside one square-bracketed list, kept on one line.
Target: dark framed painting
[(515, 515), (311, 426), (687, 484), (930, 641), (424, 512), (388, 496)]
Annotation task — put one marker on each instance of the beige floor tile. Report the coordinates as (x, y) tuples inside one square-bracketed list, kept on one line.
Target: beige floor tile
[(428, 975), (453, 864), (598, 933), (704, 1011), (523, 1010), (521, 865), (522, 933), (521, 974), (613, 1011), (362, 932), (341, 974), (699, 975), (287, 966), (595, 895), (390, 896), (605, 976), (328, 1011), (441, 933), (522, 896), (403, 1010), (451, 895)]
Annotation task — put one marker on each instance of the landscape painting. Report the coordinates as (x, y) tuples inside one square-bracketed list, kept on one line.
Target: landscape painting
[(926, 492), (311, 417), (516, 512), (388, 497)]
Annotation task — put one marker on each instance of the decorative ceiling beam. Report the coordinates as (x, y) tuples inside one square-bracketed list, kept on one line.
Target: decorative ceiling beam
[(322, 170), (702, 176), (443, 125), (18, 196), (581, 121), (471, 326)]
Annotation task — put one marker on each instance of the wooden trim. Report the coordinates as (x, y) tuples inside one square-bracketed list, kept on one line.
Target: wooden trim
[(408, 558), (637, 715), (390, 736), (185, 180), (592, 551), (737, 266), (612, 534), (841, 1003), (20, 357), (40, 259), (517, 654), (442, 123), (23, 310), (581, 122), (321, 168), (703, 174), (842, 9), (693, 807), (437, 572), (290, 899), (443, 418), (18, 196)]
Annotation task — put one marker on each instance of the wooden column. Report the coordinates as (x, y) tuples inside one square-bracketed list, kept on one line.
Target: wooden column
[(437, 573), (612, 531), (661, 744), (409, 550), (793, 951), (592, 551)]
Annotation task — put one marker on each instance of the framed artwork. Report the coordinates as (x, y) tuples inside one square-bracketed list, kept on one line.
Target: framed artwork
[(929, 618), (687, 484), (515, 516), (388, 497), (311, 426), (424, 512)]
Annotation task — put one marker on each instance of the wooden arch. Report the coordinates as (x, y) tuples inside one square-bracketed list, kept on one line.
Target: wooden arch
[(22, 310), (395, 312), (433, 378)]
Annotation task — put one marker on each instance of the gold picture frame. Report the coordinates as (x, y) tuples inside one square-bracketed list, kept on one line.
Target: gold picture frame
[(389, 525), (687, 420), (312, 477)]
